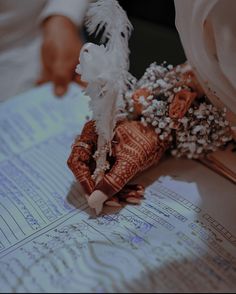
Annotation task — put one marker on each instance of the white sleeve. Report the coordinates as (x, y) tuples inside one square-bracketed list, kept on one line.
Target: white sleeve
[(73, 9)]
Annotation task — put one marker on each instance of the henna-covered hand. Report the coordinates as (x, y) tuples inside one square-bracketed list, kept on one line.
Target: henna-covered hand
[(135, 147)]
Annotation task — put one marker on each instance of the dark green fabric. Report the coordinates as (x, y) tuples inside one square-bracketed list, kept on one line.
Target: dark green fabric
[(152, 42)]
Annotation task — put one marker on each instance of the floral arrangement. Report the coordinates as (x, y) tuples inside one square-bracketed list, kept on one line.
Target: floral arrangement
[(199, 129)]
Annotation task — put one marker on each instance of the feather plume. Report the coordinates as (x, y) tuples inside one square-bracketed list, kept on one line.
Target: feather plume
[(105, 68)]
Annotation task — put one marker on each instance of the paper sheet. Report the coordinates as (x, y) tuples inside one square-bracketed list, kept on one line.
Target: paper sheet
[(181, 239)]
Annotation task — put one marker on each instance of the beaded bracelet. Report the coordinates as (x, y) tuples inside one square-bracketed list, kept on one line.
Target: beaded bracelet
[(199, 129)]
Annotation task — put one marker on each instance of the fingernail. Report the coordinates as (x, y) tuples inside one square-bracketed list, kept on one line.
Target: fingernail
[(60, 90), (113, 204), (140, 192), (133, 200)]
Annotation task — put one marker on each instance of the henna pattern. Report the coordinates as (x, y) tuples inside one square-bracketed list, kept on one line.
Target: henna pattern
[(138, 148), (80, 160)]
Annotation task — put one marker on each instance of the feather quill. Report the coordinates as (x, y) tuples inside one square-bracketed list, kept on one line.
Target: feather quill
[(105, 69)]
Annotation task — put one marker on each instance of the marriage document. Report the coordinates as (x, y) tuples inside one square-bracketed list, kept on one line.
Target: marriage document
[(182, 238)]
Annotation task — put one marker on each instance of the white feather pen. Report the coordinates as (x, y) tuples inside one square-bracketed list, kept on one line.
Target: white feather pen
[(105, 69)]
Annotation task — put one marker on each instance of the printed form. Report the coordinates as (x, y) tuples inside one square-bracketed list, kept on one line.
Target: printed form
[(182, 237)]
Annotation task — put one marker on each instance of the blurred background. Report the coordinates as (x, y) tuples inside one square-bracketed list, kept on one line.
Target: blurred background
[(155, 37)]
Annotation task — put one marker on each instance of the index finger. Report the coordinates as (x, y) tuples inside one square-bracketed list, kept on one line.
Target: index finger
[(62, 74), (123, 170)]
